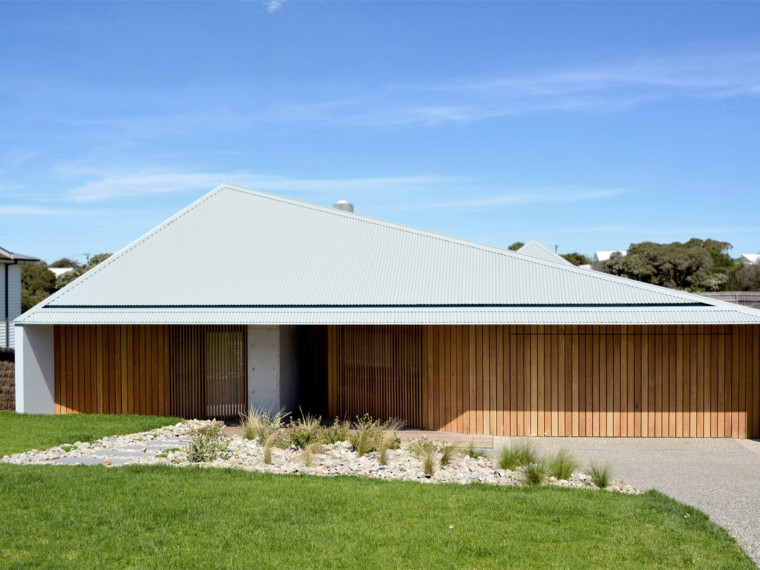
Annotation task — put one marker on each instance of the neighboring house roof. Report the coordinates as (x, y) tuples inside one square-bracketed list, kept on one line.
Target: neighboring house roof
[(273, 260), (10, 257), (601, 256), (750, 258), (58, 271), (540, 251)]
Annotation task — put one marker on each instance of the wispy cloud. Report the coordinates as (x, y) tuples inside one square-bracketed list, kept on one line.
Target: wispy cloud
[(112, 185), (535, 195), (602, 88), (31, 210), (273, 5)]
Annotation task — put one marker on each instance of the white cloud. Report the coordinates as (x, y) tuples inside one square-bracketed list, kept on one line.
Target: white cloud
[(273, 5), (113, 185)]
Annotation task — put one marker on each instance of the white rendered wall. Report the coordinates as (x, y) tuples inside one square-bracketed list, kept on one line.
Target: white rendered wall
[(264, 368), (272, 368), (35, 369), (14, 298), (3, 316)]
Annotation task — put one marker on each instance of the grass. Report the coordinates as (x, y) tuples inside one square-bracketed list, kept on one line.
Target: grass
[(519, 455), (601, 475), (562, 465), (194, 517), (22, 432)]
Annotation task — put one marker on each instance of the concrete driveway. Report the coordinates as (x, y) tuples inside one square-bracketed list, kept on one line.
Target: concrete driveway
[(719, 476)]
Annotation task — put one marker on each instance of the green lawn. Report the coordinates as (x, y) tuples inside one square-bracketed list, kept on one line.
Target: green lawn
[(22, 432), (194, 517)]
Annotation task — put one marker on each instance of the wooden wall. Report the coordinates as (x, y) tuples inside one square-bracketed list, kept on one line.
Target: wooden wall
[(375, 370), (188, 371), (602, 381)]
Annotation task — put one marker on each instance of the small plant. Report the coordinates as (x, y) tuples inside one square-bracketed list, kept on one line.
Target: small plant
[(520, 455), (68, 447), (309, 451), (268, 443), (535, 473), (472, 451), (389, 441), (338, 431), (208, 443), (426, 450), (448, 451), (165, 453), (305, 431), (601, 475), (368, 433), (260, 424), (562, 465)]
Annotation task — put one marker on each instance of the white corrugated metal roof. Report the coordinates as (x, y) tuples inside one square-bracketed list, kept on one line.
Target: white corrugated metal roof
[(282, 259), (401, 315), (538, 250)]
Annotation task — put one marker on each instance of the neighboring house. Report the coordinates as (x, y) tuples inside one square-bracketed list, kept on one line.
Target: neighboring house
[(58, 271), (750, 258), (10, 293), (602, 256), (540, 251), (744, 298), (341, 314)]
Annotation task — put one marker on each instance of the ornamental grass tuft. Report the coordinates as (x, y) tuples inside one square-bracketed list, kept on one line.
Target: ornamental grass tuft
[(522, 454), (562, 465), (259, 424), (601, 475)]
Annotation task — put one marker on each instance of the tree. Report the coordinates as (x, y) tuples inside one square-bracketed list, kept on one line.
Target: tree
[(80, 270), (697, 265), (745, 278), (37, 284), (66, 262), (576, 258), (515, 246)]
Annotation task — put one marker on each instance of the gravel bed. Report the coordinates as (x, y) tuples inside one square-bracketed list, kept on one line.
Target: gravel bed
[(167, 446)]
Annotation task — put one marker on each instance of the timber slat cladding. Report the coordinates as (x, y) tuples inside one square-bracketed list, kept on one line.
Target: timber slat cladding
[(604, 381), (186, 371), (377, 370)]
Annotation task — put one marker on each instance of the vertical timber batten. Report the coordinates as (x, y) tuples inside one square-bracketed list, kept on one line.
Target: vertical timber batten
[(622, 381), (183, 370)]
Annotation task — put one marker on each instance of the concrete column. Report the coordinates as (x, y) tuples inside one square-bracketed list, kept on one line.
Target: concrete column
[(272, 368), (35, 369)]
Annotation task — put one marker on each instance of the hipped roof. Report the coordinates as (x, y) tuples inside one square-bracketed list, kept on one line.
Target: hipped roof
[(247, 257)]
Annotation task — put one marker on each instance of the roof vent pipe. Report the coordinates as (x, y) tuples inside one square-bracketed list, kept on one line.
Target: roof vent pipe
[(344, 205)]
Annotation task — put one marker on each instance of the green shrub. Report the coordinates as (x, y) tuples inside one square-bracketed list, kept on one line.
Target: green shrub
[(562, 465), (519, 455), (305, 431), (601, 475), (208, 444), (535, 473), (338, 431)]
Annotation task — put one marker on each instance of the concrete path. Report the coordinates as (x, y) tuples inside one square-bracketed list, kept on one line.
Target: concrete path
[(719, 476)]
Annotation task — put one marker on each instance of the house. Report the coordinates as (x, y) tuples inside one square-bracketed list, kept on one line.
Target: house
[(750, 258), (602, 256), (540, 251), (58, 271), (342, 314), (10, 293)]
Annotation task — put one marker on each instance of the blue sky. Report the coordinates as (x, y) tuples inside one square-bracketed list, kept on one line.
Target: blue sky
[(584, 125)]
